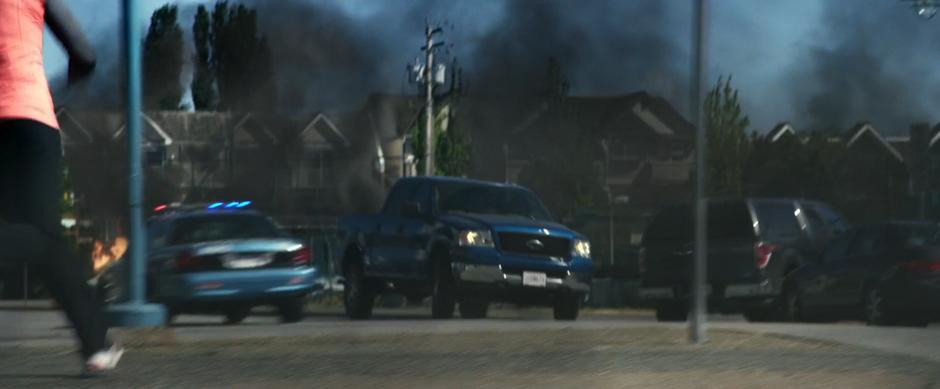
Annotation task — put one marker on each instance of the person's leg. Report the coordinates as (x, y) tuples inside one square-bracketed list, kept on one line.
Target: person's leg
[(32, 189), (19, 242)]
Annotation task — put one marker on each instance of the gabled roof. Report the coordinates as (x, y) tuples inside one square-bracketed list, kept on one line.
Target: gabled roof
[(934, 136), (322, 127), (781, 130), (640, 113), (148, 122), (260, 133), (865, 128), (64, 117)]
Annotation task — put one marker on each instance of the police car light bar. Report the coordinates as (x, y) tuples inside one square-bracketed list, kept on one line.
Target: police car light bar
[(160, 207), (229, 205)]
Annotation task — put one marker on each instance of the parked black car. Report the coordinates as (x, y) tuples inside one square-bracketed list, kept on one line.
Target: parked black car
[(753, 244), (885, 274)]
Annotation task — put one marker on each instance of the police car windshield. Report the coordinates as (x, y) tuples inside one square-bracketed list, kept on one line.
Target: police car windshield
[(208, 228)]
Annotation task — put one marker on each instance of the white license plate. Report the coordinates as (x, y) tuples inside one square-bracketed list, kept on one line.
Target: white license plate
[(245, 263), (531, 278)]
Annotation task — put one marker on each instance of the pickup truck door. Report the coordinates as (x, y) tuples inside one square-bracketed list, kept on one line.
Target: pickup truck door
[(384, 237), (413, 237)]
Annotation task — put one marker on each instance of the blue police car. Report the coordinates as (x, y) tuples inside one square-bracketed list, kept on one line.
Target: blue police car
[(226, 258)]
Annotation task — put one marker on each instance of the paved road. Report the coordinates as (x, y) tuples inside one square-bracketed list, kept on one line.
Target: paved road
[(403, 348), (42, 327), (568, 358)]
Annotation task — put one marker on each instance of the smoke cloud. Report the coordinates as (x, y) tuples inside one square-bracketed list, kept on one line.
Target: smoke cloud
[(877, 65), (328, 57)]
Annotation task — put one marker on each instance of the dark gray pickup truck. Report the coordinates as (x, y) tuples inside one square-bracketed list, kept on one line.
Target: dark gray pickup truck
[(753, 245), (464, 243)]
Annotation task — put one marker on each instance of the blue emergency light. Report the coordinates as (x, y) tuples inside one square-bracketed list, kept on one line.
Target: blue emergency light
[(229, 205)]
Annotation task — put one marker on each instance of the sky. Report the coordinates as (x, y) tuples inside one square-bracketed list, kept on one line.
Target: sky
[(819, 64)]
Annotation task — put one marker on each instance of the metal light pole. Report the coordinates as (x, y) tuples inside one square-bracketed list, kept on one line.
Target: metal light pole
[(135, 312), (697, 322)]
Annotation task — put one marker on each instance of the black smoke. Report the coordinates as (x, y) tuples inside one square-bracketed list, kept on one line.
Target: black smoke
[(878, 64), (603, 47), (326, 59)]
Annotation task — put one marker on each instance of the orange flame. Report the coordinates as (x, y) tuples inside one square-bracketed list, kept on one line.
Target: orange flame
[(103, 256)]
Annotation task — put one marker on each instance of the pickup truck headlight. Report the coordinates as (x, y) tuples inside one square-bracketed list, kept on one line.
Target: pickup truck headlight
[(582, 248), (475, 238)]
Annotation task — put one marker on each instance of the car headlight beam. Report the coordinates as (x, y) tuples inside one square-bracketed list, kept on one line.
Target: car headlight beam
[(581, 248), (475, 238)]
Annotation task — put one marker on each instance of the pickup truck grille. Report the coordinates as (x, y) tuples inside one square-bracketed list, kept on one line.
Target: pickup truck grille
[(535, 245), (550, 273)]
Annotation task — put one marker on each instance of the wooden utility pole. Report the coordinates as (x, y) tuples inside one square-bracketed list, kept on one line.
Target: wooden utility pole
[(428, 48)]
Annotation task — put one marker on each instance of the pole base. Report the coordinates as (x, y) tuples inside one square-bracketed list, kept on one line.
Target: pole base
[(136, 315)]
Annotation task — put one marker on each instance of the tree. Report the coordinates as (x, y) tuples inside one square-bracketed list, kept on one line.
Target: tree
[(728, 143), (240, 59), (203, 84), (556, 83), (163, 60), (233, 68), (452, 152)]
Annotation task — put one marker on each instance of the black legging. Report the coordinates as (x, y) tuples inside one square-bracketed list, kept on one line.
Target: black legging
[(30, 224)]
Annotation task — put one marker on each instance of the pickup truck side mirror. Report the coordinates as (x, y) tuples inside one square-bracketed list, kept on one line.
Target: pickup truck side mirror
[(411, 210)]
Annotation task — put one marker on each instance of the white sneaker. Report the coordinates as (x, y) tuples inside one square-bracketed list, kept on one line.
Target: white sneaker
[(104, 360)]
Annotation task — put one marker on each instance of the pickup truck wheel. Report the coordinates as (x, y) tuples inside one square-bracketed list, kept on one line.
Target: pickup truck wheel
[(792, 305), (671, 313), (567, 307), (876, 310), (443, 297), (291, 310), (358, 294), (473, 309)]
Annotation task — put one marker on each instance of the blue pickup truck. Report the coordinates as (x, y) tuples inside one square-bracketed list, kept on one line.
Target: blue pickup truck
[(464, 243)]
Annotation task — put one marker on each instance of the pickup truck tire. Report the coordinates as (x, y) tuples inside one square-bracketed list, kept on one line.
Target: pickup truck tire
[(567, 307), (291, 310), (473, 309), (671, 313), (792, 304), (443, 295), (358, 293)]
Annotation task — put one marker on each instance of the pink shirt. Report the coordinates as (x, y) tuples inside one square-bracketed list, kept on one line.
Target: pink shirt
[(24, 90)]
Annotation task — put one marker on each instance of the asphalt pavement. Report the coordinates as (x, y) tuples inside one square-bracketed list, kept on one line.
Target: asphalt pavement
[(515, 348)]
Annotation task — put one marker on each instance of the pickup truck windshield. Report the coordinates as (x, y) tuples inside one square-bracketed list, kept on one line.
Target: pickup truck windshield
[(726, 220), (210, 228), (490, 200)]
